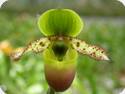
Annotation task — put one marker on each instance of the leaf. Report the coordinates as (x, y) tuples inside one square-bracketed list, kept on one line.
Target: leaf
[(60, 22), (35, 46), (90, 50), (122, 1), (2, 2)]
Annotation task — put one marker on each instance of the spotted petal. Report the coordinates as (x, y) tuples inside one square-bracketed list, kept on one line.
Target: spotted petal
[(35, 46), (90, 50)]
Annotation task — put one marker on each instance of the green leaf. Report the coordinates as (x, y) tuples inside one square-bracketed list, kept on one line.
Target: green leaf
[(60, 22)]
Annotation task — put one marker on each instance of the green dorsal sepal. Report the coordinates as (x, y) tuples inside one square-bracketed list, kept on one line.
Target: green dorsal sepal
[(60, 22)]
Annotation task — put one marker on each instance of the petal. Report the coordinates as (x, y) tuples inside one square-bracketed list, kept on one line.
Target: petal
[(93, 51), (35, 46)]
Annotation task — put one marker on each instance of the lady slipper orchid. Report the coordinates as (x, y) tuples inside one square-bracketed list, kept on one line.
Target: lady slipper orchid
[(60, 47)]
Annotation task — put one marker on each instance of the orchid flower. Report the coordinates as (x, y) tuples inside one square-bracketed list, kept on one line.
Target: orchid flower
[(60, 47)]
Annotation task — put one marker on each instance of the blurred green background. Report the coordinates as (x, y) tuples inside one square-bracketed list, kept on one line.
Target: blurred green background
[(104, 26)]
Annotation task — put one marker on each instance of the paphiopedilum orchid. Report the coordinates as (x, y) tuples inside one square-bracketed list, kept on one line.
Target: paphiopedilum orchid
[(60, 47)]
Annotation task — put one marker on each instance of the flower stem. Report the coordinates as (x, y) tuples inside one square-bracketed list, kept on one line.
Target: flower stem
[(51, 91)]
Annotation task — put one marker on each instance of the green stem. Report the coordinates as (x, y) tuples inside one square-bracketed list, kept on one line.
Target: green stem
[(93, 84), (51, 91)]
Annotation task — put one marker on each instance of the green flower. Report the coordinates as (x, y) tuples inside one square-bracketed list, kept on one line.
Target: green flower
[(60, 47)]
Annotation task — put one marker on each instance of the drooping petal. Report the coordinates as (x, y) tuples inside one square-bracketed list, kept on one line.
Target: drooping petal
[(93, 51), (35, 46)]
